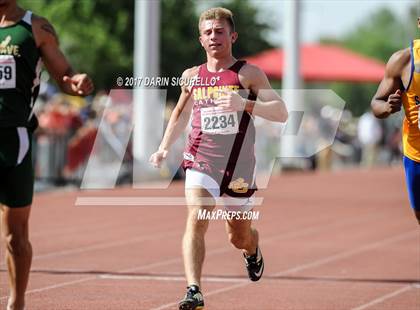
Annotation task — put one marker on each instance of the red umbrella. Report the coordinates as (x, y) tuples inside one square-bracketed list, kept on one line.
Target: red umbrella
[(323, 63)]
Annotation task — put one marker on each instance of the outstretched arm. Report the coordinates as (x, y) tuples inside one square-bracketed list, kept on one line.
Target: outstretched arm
[(177, 122), (69, 81)]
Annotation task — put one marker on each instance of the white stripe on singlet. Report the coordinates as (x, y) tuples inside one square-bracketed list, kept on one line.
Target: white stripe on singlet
[(27, 18), (23, 143)]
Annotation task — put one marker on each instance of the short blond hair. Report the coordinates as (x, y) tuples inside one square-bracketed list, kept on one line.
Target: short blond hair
[(217, 13)]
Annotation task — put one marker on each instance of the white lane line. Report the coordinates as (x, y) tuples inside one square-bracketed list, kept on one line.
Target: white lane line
[(303, 232), (384, 297), (280, 236), (46, 288), (174, 278), (102, 246), (349, 253), (106, 245), (309, 265), (224, 249), (214, 292)]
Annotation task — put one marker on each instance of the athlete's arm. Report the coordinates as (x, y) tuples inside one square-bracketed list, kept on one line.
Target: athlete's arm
[(68, 80), (268, 105), (177, 122), (387, 99)]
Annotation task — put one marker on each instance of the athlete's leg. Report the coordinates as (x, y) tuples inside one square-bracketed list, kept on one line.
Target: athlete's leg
[(193, 246), (242, 235), (240, 231), (417, 213), (412, 175), (15, 233)]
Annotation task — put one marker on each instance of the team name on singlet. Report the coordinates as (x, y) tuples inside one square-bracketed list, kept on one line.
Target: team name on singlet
[(206, 95), (417, 99), (9, 49)]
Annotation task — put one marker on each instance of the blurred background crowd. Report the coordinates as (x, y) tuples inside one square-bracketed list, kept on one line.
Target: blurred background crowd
[(68, 126)]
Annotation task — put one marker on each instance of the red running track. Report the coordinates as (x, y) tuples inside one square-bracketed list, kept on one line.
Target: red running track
[(340, 240)]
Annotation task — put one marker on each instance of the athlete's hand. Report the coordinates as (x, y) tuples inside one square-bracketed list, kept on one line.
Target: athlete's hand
[(394, 102), (230, 99), (80, 83), (157, 158)]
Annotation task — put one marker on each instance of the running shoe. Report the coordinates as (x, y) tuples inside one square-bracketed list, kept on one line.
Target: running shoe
[(193, 300), (254, 265)]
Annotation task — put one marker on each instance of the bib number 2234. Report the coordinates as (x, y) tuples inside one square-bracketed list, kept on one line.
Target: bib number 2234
[(215, 120)]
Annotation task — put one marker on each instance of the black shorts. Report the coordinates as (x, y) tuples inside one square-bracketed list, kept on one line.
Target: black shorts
[(16, 169)]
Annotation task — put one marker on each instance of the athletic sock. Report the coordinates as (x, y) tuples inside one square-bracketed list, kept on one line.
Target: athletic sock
[(253, 257)]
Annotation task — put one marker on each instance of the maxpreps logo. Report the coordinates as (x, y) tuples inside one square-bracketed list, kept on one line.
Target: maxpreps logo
[(206, 95), (6, 49)]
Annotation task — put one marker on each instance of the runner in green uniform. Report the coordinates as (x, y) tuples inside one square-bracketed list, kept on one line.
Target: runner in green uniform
[(26, 42)]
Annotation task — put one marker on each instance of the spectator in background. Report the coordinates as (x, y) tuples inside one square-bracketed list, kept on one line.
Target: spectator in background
[(395, 146), (369, 133), (59, 117), (58, 121), (81, 143)]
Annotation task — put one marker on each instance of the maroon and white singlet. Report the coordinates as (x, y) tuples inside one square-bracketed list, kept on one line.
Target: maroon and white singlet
[(221, 143)]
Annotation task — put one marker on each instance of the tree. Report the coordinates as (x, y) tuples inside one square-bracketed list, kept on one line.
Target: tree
[(379, 36), (179, 44), (252, 37), (96, 36)]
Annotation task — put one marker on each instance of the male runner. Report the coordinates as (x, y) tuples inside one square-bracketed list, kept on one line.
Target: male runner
[(219, 157), (401, 86), (26, 41)]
